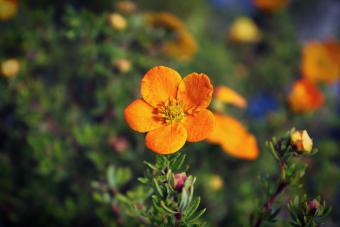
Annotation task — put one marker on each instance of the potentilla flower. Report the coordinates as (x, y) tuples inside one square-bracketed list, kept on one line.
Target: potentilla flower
[(184, 46), (229, 96), (244, 30), (321, 61), (305, 96), (172, 110), (10, 67), (233, 137), (8, 9), (117, 21), (270, 5), (301, 141)]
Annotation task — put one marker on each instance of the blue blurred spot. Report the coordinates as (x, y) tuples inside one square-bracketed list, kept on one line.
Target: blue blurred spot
[(243, 5), (261, 105)]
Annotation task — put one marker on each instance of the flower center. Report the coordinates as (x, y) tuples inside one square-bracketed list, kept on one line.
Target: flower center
[(171, 111)]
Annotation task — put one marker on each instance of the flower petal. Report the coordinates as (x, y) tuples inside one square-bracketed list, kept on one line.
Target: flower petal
[(199, 125), (195, 91), (167, 139), (234, 138), (229, 96), (139, 116), (159, 85)]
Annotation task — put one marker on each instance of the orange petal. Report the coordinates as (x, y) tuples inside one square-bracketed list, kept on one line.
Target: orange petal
[(317, 63), (167, 139), (234, 138), (195, 91), (159, 85), (139, 116), (305, 96), (227, 95), (199, 125)]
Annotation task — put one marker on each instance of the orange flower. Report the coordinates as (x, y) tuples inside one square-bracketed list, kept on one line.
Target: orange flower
[(229, 132), (270, 5), (233, 137), (321, 61), (305, 96), (172, 110), (229, 96), (184, 46)]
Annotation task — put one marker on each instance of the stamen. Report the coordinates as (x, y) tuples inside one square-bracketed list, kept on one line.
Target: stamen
[(171, 111)]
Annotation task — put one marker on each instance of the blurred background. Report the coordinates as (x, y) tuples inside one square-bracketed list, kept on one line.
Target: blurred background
[(69, 68)]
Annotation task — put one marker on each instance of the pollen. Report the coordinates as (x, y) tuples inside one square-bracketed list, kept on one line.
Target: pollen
[(171, 111)]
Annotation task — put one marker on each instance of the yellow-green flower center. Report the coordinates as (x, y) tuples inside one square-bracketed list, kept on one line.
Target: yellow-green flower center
[(171, 111)]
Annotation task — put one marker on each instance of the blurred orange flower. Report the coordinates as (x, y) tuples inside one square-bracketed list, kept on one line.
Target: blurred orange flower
[(321, 61), (305, 96), (244, 30), (270, 5), (172, 110), (8, 9), (126, 6), (184, 46), (233, 137), (229, 96)]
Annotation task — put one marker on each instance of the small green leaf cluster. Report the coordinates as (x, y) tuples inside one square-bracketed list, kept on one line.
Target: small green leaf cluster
[(291, 171), (308, 213), (165, 196)]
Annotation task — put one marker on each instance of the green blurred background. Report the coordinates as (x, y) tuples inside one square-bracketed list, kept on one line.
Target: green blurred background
[(61, 115)]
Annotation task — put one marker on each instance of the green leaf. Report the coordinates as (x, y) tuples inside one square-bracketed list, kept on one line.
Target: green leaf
[(159, 190), (167, 208), (197, 216)]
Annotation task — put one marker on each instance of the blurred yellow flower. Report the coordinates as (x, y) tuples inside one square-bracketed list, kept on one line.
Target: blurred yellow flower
[(123, 65), (117, 21), (126, 6), (184, 46), (244, 30), (8, 9), (270, 5), (321, 61), (228, 132), (216, 182), (301, 141), (10, 67), (305, 96)]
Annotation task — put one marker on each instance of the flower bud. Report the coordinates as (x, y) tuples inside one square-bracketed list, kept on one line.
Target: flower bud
[(179, 182), (117, 21), (301, 141), (10, 67), (119, 144), (313, 206)]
